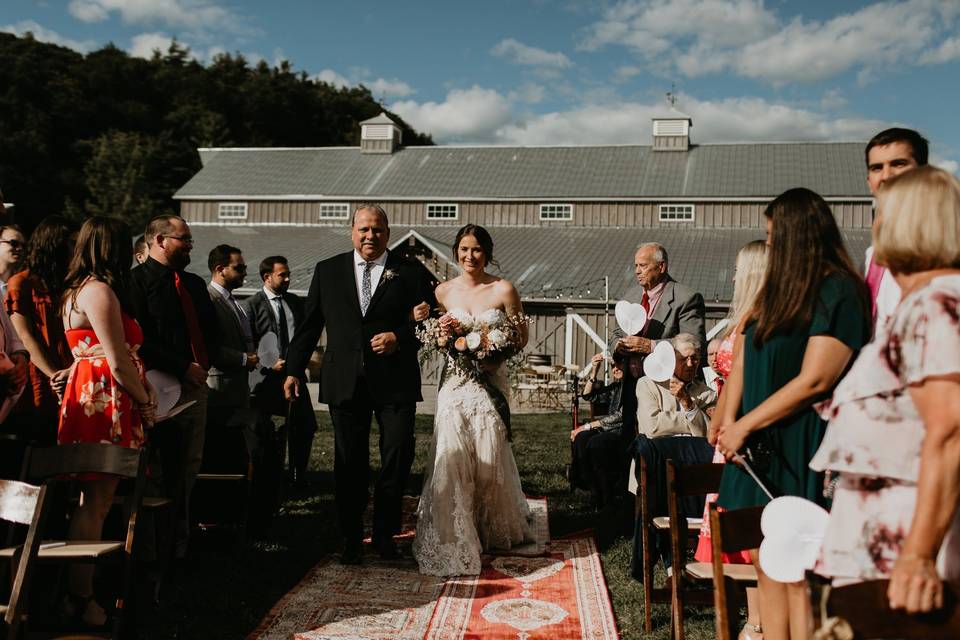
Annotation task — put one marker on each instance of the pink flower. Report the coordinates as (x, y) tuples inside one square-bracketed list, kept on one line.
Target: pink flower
[(460, 344)]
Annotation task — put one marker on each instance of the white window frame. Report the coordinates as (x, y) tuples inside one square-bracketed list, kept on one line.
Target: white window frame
[(442, 206), (238, 206), (676, 212), (342, 206), (556, 211)]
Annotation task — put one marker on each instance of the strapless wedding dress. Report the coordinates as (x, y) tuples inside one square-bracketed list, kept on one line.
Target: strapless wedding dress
[(472, 500)]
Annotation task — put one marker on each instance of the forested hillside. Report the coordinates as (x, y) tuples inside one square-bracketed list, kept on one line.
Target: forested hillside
[(106, 133)]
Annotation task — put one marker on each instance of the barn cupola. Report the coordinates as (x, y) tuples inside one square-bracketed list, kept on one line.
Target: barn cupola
[(671, 131), (380, 134)]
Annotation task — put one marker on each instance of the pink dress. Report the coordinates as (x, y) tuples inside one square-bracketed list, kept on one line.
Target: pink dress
[(704, 551), (875, 437)]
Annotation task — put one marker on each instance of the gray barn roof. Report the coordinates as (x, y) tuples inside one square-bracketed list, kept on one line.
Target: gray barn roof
[(832, 169), (540, 262)]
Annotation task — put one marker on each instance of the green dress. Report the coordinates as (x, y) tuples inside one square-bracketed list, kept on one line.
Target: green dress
[(781, 452)]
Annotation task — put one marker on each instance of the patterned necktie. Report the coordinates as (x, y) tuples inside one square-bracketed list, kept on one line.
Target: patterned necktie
[(284, 331), (366, 287), (197, 345)]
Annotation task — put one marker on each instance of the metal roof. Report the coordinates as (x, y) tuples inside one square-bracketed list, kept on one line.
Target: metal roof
[(832, 169), (542, 263)]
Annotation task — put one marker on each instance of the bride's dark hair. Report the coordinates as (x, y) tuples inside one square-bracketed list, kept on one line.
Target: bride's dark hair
[(483, 239)]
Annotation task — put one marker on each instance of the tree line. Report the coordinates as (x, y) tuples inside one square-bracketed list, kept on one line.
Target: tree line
[(105, 133)]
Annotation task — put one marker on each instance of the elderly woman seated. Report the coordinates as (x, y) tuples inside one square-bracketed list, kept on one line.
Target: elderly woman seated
[(894, 434), (672, 423)]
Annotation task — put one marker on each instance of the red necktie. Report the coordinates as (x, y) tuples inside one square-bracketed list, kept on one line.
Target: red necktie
[(645, 302), (197, 344)]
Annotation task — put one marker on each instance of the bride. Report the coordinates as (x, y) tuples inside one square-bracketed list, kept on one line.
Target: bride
[(471, 500)]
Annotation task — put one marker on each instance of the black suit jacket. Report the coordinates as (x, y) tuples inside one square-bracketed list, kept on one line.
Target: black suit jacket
[(333, 303), (258, 308), (157, 307)]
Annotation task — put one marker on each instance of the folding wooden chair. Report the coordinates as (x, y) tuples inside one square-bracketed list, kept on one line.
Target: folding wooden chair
[(687, 480), (732, 531), (865, 608), (56, 464), (23, 504)]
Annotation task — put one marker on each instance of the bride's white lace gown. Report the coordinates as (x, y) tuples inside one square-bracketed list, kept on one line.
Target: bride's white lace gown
[(472, 500)]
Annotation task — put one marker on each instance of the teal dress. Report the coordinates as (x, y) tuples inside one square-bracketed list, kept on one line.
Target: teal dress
[(781, 453)]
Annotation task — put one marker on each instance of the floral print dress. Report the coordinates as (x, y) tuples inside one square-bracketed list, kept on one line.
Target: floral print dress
[(876, 434), (95, 407)]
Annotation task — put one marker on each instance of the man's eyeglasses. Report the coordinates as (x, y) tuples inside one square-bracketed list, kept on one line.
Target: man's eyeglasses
[(187, 239), (14, 244)]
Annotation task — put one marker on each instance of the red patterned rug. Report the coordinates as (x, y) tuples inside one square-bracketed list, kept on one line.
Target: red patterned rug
[(543, 590), (561, 595)]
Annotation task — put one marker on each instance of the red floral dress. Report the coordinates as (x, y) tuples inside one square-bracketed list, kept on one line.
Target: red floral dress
[(95, 407), (704, 551)]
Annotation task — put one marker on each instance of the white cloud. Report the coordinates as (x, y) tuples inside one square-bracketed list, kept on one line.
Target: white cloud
[(626, 72), (698, 37), (143, 45), (519, 53), (42, 34), (484, 116), (331, 77), (466, 114), (183, 14), (951, 166), (389, 88)]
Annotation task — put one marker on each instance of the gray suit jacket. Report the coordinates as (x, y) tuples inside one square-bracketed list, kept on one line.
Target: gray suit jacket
[(227, 377), (680, 310)]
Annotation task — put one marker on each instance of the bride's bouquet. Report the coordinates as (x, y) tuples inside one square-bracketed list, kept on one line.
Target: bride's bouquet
[(472, 343)]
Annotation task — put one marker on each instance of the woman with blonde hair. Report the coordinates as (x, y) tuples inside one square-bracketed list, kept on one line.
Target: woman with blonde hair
[(748, 274), (894, 435)]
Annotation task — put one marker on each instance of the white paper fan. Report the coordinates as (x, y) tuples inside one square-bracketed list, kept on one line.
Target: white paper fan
[(661, 363), (269, 350), (168, 391), (793, 530), (631, 317)]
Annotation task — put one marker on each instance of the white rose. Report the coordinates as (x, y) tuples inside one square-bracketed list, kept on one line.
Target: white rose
[(464, 319), (473, 340), (497, 338)]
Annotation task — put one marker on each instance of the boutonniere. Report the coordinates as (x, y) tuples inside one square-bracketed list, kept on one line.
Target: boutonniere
[(388, 274)]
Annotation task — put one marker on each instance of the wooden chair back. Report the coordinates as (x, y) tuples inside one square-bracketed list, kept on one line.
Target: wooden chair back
[(865, 607), (63, 461), (25, 504), (644, 517), (730, 531), (685, 480)]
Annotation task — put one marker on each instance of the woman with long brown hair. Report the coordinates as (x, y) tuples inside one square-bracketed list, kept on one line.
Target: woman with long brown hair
[(107, 398), (33, 304), (810, 319)]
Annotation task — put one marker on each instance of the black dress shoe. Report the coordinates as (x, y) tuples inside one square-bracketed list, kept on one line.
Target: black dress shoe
[(352, 554)]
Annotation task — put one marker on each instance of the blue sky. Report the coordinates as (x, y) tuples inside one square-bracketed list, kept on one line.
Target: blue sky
[(577, 72)]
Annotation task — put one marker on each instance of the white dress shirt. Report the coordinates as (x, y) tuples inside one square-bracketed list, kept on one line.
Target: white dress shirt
[(287, 311), (378, 267)]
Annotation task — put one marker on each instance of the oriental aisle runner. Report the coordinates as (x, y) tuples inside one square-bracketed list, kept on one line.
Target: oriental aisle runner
[(550, 590)]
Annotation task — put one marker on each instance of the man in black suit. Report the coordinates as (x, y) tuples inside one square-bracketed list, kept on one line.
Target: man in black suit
[(364, 299), (180, 337), (273, 309)]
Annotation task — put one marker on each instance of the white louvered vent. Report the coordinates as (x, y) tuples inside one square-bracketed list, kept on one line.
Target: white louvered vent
[(377, 132), (670, 127)]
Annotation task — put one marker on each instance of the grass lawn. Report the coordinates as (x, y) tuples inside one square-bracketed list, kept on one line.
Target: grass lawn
[(228, 585)]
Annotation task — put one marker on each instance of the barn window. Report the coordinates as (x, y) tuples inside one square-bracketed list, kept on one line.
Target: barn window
[(443, 211), (556, 212), (334, 211), (232, 210), (676, 213)]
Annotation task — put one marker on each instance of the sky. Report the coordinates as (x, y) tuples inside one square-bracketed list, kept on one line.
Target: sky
[(560, 72)]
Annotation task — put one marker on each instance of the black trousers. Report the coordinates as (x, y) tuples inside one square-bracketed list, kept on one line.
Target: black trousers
[(351, 465), (301, 425), (599, 464)]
